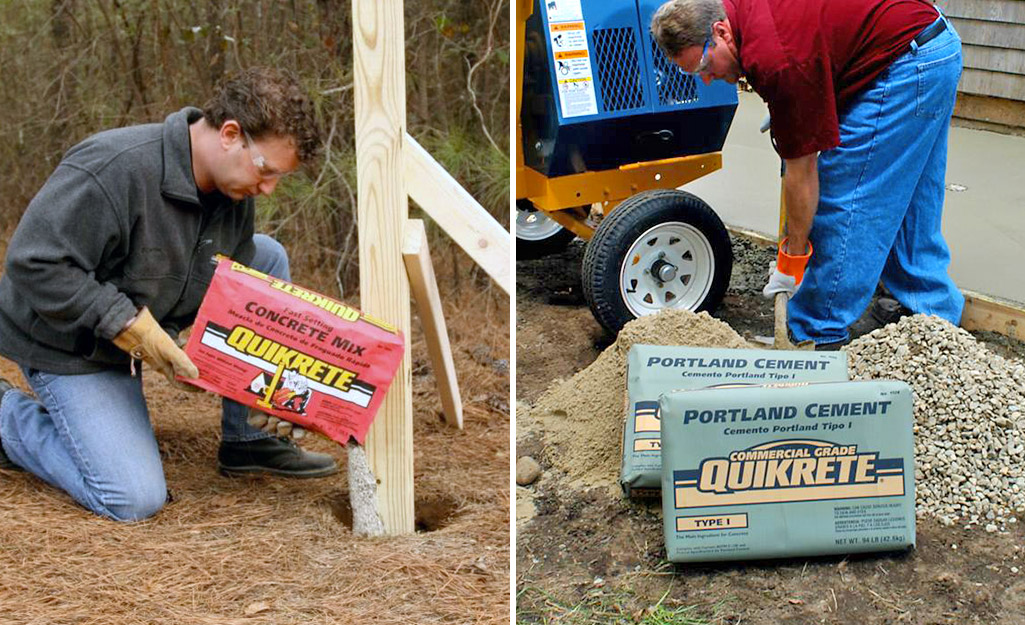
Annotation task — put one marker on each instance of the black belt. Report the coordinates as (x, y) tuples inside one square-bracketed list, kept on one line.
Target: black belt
[(930, 32)]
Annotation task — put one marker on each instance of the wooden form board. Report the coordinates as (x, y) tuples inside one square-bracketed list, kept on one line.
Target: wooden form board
[(459, 215), (988, 313), (993, 110), (980, 311), (382, 209), (428, 305)]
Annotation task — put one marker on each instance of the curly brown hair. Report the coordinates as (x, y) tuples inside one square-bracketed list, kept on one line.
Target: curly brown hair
[(267, 101)]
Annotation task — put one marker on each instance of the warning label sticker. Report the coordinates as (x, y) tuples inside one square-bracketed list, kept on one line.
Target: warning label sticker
[(563, 10), (571, 58)]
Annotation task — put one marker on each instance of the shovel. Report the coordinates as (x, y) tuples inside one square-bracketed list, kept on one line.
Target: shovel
[(781, 338)]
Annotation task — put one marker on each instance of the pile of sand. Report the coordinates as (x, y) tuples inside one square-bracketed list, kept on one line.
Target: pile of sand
[(582, 418)]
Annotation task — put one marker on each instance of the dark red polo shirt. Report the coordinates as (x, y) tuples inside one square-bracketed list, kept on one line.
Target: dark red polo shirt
[(809, 58)]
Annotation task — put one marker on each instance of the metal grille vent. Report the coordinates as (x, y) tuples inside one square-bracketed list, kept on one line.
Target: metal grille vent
[(674, 85), (619, 69)]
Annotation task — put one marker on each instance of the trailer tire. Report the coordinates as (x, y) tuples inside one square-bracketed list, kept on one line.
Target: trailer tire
[(658, 249), (536, 234)]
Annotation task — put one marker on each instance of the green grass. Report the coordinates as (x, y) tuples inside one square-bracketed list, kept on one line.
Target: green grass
[(536, 606)]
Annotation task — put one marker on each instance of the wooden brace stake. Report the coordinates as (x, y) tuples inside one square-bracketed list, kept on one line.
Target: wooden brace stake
[(424, 287), (458, 213)]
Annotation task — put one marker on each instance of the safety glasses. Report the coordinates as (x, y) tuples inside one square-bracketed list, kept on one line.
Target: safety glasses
[(705, 59), (259, 161)]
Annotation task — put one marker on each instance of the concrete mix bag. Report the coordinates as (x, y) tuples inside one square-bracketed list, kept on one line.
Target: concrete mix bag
[(800, 470), (656, 369), (293, 353)]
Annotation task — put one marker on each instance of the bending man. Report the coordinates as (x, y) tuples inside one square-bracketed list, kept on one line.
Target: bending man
[(860, 94)]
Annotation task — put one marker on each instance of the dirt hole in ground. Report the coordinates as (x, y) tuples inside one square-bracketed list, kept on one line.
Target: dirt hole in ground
[(433, 511)]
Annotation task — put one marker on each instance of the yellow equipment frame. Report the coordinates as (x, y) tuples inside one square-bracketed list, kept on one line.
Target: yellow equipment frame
[(565, 199)]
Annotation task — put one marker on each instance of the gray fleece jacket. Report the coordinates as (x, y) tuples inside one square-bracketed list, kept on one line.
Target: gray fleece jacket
[(119, 225)]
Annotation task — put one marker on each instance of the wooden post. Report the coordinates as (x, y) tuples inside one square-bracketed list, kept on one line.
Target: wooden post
[(383, 208), (428, 304)]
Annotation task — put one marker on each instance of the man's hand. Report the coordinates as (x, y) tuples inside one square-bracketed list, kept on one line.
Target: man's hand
[(787, 272), (779, 282), (273, 425), (145, 340), (181, 340)]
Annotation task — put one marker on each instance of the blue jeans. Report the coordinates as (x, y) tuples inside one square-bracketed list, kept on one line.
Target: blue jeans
[(90, 435), (881, 199)]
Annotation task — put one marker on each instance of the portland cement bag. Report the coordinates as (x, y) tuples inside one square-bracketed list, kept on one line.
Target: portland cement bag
[(800, 470), (656, 369), (292, 353)]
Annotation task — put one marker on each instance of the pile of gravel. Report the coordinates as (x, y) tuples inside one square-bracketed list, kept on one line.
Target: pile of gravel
[(750, 266), (969, 433)]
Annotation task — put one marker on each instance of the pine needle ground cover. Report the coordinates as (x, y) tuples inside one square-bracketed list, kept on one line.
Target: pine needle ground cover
[(273, 551)]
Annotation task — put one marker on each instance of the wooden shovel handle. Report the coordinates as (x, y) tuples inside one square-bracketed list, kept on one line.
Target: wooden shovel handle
[(781, 340)]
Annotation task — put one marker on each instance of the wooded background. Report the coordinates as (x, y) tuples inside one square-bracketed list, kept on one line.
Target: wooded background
[(71, 68)]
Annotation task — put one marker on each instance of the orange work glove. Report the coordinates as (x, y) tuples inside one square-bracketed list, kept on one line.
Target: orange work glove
[(788, 271)]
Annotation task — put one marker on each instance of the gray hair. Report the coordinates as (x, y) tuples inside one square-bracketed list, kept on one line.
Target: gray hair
[(680, 24)]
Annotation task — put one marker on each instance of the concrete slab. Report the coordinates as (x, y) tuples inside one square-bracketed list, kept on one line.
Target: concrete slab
[(984, 223)]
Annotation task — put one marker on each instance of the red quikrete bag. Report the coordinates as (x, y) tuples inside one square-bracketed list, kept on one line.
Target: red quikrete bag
[(292, 353)]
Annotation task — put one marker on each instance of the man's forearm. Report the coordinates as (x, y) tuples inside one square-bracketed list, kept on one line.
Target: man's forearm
[(801, 196)]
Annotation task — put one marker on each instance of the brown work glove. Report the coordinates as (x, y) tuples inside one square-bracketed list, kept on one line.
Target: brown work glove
[(273, 425), (144, 339)]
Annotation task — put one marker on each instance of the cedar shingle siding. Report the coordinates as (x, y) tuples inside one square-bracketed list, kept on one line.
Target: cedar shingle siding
[(993, 34)]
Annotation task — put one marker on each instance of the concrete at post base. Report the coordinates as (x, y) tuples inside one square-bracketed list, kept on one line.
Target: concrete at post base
[(656, 369), (762, 472)]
